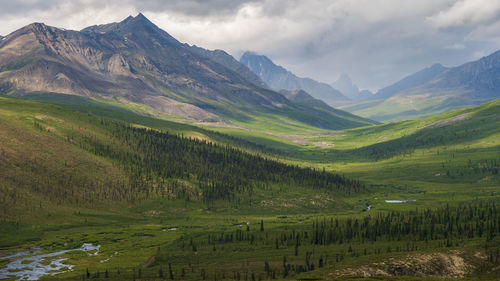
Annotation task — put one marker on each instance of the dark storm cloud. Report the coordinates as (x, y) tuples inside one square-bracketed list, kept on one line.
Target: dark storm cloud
[(375, 41), (20, 7)]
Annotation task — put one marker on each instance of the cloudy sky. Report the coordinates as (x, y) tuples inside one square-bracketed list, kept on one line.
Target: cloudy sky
[(376, 42)]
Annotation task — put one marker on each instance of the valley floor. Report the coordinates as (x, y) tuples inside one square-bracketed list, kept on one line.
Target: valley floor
[(445, 173)]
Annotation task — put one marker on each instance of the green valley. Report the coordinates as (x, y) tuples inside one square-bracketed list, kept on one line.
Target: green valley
[(126, 154), (113, 188)]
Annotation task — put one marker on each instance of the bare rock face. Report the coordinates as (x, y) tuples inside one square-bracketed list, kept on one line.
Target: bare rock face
[(131, 59), (278, 78), (134, 61)]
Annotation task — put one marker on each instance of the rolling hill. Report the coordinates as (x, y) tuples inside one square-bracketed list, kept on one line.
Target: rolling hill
[(82, 160), (98, 183), (161, 197)]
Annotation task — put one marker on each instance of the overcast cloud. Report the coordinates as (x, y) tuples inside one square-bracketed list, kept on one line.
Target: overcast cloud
[(375, 41)]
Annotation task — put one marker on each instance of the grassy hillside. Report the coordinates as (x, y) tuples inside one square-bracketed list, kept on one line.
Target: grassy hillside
[(176, 206)]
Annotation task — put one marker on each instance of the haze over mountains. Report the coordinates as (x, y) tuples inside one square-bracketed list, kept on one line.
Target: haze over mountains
[(126, 154), (434, 90), (418, 78), (136, 64), (278, 78), (345, 85)]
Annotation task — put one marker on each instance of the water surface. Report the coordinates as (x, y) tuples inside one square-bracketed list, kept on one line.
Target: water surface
[(31, 265)]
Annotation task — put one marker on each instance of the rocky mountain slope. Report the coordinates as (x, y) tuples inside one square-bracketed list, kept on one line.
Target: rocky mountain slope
[(278, 78), (136, 64), (418, 78), (230, 62), (434, 90)]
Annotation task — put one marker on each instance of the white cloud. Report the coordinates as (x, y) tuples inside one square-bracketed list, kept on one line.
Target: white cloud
[(467, 12), (375, 41)]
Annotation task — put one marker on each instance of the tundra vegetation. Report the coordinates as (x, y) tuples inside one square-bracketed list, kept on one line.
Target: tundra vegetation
[(166, 200)]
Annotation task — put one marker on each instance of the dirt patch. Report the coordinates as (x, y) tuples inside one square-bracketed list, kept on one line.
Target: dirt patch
[(448, 121), (327, 133), (149, 261), (450, 265), (321, 144), (227, 125), (295, 139), (382, 138)]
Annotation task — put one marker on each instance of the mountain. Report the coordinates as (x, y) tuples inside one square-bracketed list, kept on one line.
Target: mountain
[(307, 102), (345, 85), (230, 62), (278, 78), (137, 65), (298, 96), (478, 80), (418, 78), (435, 90)]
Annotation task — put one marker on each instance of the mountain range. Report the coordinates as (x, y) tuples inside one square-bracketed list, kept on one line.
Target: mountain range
[(434, 90), (418, 78), (279, 78), (345, 85), (135, 64)]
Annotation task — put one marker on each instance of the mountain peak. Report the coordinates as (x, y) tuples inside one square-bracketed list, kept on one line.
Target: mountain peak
[(40, 28), (249, 55), (140, 19), (139, 26), (345, 85), (128, 18), (36, 26), (141, 16), (344, 78)]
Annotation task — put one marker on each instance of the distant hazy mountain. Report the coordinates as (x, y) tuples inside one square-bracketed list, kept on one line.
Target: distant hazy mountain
[(230, 62), (279, 78), (140, 66), (418, 78), (476, 80), (345, 85), (440, 90)]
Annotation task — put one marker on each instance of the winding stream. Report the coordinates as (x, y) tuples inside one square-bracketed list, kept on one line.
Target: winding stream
[(30, 265)]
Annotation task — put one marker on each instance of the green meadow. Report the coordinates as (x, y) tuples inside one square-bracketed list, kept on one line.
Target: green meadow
[(75, 171)]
